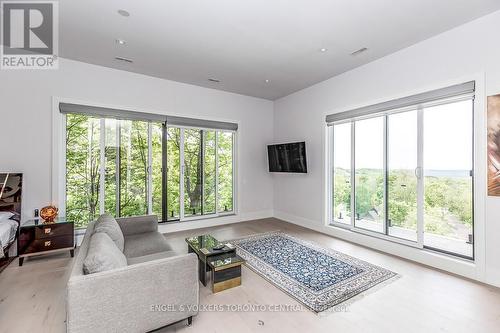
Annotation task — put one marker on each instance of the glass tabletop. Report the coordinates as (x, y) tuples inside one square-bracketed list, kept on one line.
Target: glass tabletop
[(202, 242), (204, 246), (230, 261)]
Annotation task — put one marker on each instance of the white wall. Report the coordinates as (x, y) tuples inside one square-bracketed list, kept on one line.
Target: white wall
[(468, 52), (26, 124)]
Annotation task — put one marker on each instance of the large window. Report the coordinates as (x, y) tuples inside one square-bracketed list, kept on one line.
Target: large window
[(413, 174), (130, 167)]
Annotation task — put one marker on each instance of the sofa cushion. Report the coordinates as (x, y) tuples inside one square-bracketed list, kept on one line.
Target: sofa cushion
[(107, 223), (103, 255), (143, 244), (151, 257)]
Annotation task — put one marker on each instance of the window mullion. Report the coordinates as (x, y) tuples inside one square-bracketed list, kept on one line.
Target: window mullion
[(385, 220), (419, 175), (149, 169), (118, 168), (233, 170), (216, 172), (182, 176), (164, 174), (64, 166), (102, 167), (353, 172), (202, 172), (331, 175)]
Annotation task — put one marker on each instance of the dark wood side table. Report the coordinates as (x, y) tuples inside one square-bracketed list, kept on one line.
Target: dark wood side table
[(203, 246), (36, 237)]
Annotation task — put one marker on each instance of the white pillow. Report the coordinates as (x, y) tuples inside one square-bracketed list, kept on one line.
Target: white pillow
[(5, 215), (107, 223), (102, 255)]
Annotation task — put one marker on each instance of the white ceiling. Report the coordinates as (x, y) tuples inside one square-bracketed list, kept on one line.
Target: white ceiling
[(243, 43)]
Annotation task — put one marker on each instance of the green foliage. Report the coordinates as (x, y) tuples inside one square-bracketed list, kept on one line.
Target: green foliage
[(133, 168), (156, 146), (446, 199), (225, 186), (173, 172), (402, 197), (342, 193), (369, 192), (82, 168), (126, 146), (209, 172)]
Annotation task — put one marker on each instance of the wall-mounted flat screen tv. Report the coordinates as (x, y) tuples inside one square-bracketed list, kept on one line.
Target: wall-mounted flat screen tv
[(287, 157)]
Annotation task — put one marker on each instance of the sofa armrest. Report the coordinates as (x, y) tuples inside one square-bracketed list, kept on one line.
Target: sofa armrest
[(135, 298), (138, 224)]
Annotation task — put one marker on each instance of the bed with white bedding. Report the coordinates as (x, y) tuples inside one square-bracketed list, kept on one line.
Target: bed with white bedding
[(8, 231)]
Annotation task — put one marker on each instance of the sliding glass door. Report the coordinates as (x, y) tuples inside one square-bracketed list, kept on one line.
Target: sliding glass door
[(200, 172), (369, 174), (413, 178), (402, 168), (206, 174), (448, 178)]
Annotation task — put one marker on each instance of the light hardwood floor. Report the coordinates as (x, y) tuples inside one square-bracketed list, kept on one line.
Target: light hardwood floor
[(422, 300)]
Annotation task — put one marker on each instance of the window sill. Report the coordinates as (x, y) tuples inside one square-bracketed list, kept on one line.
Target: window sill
[(197, 218)]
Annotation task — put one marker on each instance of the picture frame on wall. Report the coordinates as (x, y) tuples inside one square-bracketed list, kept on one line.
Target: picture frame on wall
[(494, 145)]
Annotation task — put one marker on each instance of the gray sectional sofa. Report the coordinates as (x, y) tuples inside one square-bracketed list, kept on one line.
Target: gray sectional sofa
[(128, 279)]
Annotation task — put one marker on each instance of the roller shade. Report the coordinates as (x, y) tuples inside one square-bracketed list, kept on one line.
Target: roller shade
[(463, 89), (100, 112), (191, 122)]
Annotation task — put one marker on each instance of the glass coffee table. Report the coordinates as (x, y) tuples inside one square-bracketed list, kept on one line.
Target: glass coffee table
[(203, 246), (226, 273)]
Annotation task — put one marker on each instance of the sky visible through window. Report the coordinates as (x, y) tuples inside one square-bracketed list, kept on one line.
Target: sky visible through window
[(447, 140)]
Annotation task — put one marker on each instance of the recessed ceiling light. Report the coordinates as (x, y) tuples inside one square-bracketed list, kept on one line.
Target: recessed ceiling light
[(323, 49), (355, 53), (121, 42), (124, 59), (123, 12), (214, 80), (267, 80)]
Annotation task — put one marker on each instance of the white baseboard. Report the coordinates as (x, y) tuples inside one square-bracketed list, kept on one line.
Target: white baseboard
[(493, 277), (447, 263)]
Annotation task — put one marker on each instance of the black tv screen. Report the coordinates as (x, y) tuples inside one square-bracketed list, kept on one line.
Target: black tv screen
[(287, 157)]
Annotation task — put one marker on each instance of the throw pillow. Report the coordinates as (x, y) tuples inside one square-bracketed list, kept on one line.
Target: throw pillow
[(107, 223), (102, 255)]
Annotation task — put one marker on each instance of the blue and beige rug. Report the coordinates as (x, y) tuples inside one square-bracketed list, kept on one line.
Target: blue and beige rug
[(317, 277)]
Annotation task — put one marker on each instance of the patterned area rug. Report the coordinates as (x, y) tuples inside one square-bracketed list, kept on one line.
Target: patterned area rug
[(317, 277)]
